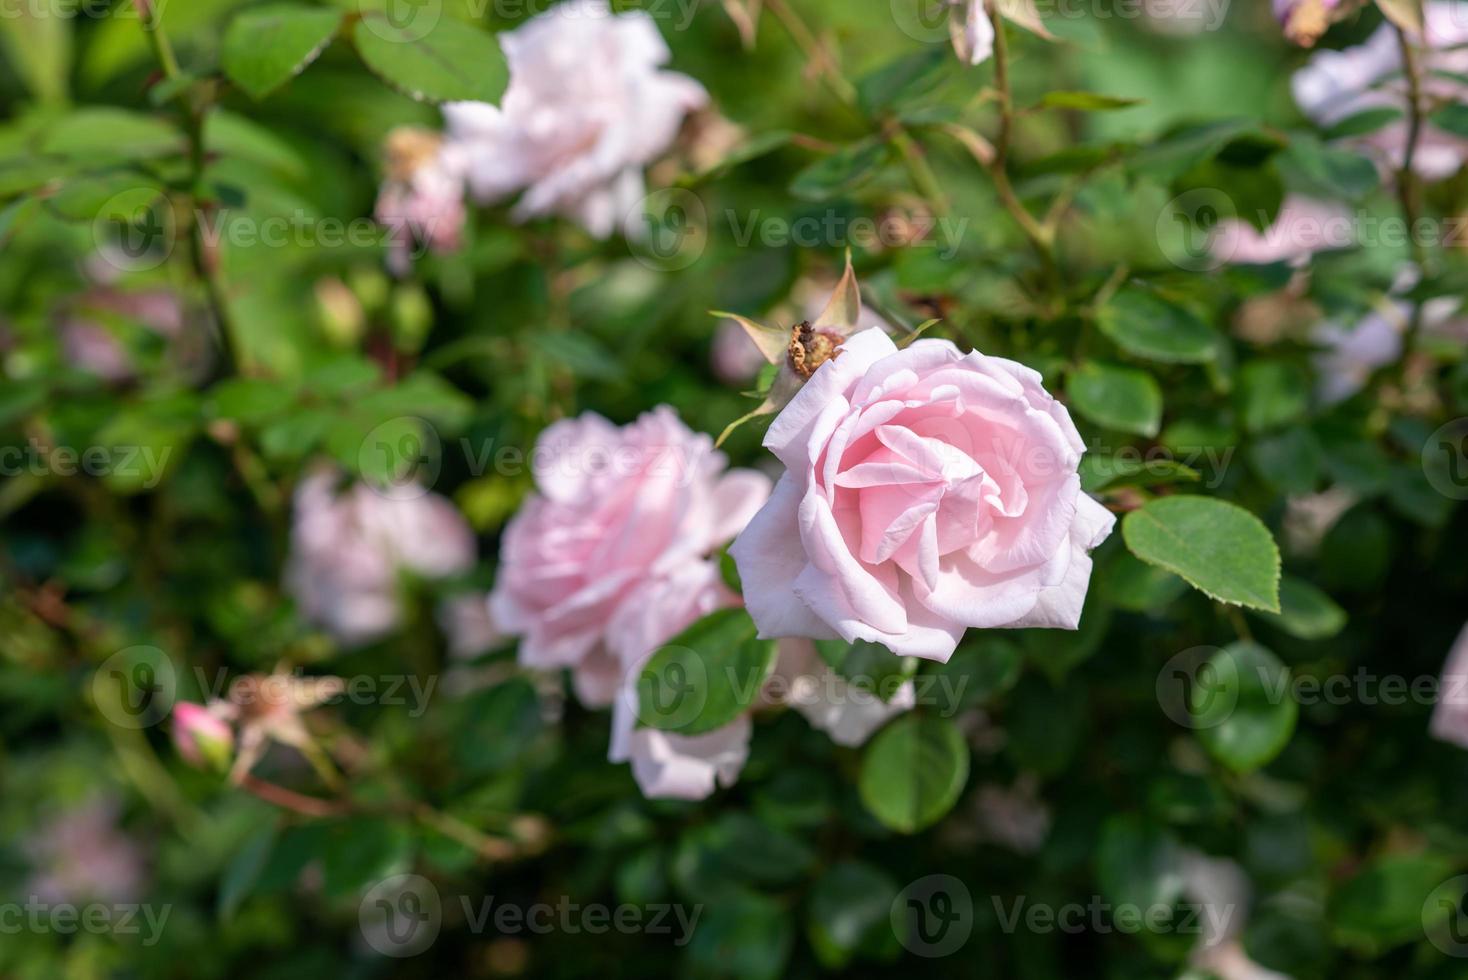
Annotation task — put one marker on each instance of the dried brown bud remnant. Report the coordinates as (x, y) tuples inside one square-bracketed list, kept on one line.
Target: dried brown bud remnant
[(408, 149), (810, 348)]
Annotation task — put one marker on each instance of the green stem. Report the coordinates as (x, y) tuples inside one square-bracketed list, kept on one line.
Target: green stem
[(205, 261), (923, 178)]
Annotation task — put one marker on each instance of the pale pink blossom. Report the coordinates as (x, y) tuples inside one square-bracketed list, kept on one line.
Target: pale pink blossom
[(735, 358), (1221, 891), (80, 855), (1302, 227), (350, 549), (848, 713), (1336, 85), (926, 491), (1450, 716), (588, 107), (668, 764), (422, 197), (1303, 21), (466, 622), (616, 509)]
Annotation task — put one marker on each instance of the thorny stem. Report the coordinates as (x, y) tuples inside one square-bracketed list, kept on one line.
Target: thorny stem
[(205, 259)]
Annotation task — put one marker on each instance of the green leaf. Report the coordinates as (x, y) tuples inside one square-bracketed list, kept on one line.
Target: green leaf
[(1136, 586), (99, 135), (244, 871), (1271, 394), (745, 935), (1247, 714), (1369, 121), (1085, 101), (86, 197), (1290, 461), (250, 401), (850, 909), (1145, 325), (1386, 902), (867, 665), (1452, 118), (1218, 547), (706, 676), (1100, 472), (265, 47), (1306, 612), (1328, 171), (913, 771), (1124, 399), (361, 851), (1137, 863), (903, 80), (451, 61), (840, 172)]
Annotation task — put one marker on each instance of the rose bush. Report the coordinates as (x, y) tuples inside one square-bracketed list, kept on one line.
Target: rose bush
[(733, 490)]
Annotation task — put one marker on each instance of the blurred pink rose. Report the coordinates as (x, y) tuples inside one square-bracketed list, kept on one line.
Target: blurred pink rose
[(80, 855), (1450, 717), (617, 508), (847, 713), (926, 491), (1336, 85), (202, 736), (666, 764), (587, 108), (735, 358), (1302, 227), (422, 196), (467, 624), (349, 548)]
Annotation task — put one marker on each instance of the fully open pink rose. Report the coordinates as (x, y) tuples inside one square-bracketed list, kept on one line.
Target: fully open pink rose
[(617, 508), (926, 491)]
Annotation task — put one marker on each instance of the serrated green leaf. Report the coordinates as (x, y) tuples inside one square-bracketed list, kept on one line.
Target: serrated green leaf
[(1218, 547), (1145, 325), (265, 47), (450, 61)]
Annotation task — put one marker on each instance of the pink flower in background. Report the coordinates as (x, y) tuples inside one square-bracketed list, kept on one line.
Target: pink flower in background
[(89, 345), (927, 491), (465, 620), (849, 714), (735, 358), (422, 197), (973, 41), (588, 107), (80, 856), (1450, 716), (666, 764), (1302, 227), (617, 509), (1336, 85), (349, 549), (202, 734)]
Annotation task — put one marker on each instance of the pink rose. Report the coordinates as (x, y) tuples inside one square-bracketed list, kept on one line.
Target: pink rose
[(926, 491), (349, 549), (1301, 228), (1336, 85), (666, 764), (588, 107), (617, 508), (849, 714), (1450, 717)]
